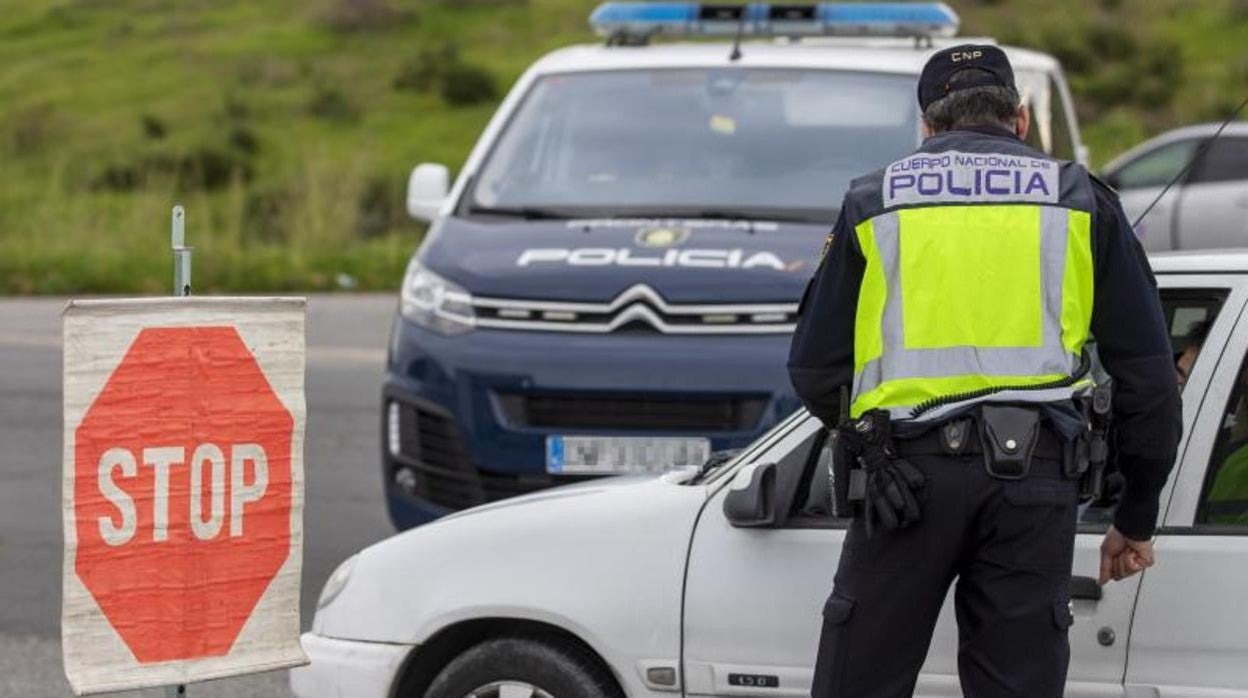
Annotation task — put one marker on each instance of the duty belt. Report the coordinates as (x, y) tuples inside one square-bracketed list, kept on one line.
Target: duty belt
[(959, 437)]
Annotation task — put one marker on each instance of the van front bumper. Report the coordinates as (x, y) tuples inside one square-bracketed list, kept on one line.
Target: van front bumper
[(465, 418)]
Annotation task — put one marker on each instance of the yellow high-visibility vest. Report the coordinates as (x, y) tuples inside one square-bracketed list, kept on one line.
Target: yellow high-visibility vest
[(979, 276)]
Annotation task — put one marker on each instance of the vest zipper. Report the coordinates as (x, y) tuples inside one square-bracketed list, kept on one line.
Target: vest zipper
[(1085, 365)]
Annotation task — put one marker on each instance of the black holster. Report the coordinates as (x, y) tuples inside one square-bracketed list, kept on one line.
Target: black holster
[(846, 480), (843, 463), (1088, 456)]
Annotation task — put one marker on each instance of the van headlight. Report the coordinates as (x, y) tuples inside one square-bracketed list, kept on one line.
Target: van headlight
[(433, 302), (336, 582)]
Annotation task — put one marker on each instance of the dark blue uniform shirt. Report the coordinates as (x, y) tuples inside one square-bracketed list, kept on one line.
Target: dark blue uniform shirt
[(1127, 323)]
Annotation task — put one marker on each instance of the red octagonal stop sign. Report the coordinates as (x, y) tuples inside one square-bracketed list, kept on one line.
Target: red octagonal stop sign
[(182, 492)]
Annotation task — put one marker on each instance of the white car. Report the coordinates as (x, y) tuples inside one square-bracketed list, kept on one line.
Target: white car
[(712, 583), (1207, 207)]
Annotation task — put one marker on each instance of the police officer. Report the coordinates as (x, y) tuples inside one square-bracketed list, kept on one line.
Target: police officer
[(955, 297)]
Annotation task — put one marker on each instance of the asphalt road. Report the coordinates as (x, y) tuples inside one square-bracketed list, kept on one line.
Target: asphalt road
[(344, 506)]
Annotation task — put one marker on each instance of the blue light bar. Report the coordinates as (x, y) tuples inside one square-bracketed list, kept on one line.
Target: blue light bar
[(646, 19)]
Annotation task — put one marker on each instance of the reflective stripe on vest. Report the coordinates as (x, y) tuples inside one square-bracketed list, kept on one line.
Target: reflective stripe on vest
[(958, 298)]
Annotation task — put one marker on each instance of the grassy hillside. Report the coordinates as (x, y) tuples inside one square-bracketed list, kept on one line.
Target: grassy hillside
[(288, 127)]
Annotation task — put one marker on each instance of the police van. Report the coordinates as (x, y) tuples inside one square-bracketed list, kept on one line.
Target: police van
[(610, 284)]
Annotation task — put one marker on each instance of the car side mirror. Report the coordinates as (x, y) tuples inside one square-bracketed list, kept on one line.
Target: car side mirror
[(427, 188), (753, 506)]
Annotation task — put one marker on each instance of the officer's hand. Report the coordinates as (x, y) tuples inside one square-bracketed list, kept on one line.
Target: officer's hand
[(1122, 557)]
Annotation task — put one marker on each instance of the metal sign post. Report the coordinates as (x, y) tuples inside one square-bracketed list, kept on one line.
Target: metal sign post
[(181, 254), (181, 287)]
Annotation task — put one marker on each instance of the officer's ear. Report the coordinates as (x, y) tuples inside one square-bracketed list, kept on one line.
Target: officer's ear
[(1022, 123), (927, 129)]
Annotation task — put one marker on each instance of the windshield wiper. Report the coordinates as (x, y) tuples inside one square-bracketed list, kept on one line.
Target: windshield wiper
[(532, 213), (717, 459), (725, 214)]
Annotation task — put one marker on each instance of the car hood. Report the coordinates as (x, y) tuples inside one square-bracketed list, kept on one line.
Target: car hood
[(604, 555), (685, 260)]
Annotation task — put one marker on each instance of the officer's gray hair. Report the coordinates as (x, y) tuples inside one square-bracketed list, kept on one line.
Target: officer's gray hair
[(974, 106)]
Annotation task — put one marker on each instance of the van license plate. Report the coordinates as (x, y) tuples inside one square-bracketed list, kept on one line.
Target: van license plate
[(623, 454)]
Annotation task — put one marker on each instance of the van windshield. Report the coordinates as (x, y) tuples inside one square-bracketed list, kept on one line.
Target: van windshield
[(705, 142)]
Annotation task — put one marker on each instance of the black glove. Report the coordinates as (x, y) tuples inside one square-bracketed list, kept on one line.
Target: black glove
[(894, 486)]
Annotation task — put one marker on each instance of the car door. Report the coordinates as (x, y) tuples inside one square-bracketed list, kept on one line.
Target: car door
[(754, 596), (1213, 206), (1139, 182), (1190, 635)]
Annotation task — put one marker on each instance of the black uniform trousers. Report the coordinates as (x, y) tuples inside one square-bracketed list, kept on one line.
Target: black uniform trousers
[(1009, 545)]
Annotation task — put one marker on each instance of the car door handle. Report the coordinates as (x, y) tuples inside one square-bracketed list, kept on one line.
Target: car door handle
[(1085, 588)]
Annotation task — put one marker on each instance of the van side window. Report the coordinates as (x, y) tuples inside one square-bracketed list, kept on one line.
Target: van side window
[(1063, 134), (1034, 138)]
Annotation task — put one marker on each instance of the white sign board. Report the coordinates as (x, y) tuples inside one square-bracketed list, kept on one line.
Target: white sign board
[(183, 489)]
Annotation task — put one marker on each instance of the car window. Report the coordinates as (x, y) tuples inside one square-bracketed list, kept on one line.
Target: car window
[(1063, 134), (1224, 498), (1226, 160), (1155, 168), (1189, 314), (812, 503)]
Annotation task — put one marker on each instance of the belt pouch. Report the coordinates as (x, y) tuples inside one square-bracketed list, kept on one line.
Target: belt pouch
[(1009, 435)]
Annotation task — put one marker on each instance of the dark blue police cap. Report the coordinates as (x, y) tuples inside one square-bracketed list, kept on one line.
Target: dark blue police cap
[(962, 67)]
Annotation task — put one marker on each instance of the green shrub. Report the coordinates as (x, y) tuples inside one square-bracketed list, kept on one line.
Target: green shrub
[(244, 139), (1237, 11), (1110, 41), (422, 72), (463, 84), (266, 215), (212, 167), (1158, 75), (331, 104), (356, 16), (1076, 54), (33, 129), (153, 126)]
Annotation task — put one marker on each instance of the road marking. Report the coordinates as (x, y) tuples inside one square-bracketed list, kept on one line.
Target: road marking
[(346, 355), (30, 339)]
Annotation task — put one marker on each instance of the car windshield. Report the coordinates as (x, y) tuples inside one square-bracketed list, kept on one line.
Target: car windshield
[(706, 142)]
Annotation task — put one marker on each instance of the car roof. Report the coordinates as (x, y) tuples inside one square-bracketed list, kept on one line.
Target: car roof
[(877, 55), (1234, 128), (1200, 261)]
